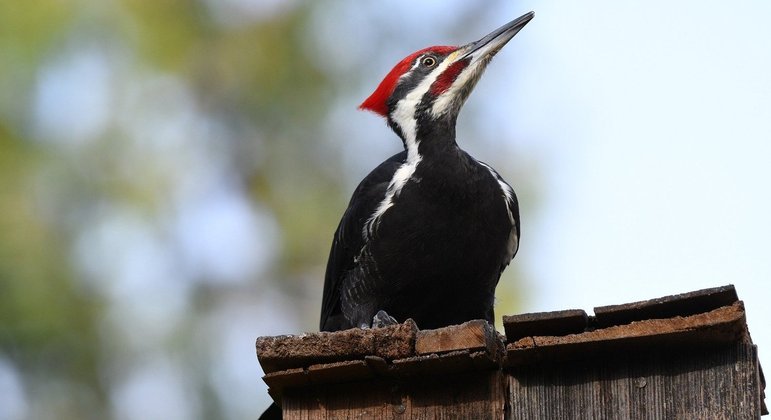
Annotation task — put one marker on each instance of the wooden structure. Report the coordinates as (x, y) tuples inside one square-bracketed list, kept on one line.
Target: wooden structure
[(685, 356)]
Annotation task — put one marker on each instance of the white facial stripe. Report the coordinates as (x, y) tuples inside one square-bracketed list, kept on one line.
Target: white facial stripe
[(404, 116), (414, 66)]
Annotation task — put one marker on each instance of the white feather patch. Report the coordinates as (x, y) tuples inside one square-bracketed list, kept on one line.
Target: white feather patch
[(403, 174), (508, 195)]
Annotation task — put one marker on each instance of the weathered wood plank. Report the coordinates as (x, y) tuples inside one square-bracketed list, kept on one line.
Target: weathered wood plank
[(723, 325), (286, 378), (471, 335), (684, 304), (339, 371), (569, 321), (293, 351), (474, 395), (715, 384), (433, 364)]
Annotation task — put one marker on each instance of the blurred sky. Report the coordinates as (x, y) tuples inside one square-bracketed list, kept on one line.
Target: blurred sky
[(638, 137), (653, 128)]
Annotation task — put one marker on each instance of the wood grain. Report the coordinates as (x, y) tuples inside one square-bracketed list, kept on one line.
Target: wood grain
[(717, 384), (474, 395)]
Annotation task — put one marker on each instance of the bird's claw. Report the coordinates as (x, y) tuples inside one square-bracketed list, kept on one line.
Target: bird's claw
[(382, 319)]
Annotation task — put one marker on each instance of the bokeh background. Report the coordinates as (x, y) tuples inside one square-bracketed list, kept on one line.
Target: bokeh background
[(171, 173)]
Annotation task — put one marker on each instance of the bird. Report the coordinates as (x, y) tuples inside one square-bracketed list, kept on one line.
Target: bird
[(426, 234)]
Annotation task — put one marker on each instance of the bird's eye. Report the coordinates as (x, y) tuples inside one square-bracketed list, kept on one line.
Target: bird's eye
[(429, 61)]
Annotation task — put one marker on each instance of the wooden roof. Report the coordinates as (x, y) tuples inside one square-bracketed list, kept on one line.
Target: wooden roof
[(702, 318)]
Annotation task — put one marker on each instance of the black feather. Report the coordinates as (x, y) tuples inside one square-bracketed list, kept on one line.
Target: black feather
[(437, 253)]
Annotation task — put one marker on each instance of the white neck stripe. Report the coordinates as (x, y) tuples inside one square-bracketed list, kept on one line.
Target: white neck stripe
[(404, 117)]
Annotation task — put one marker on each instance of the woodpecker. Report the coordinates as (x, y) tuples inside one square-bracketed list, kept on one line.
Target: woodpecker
[(427, 233)]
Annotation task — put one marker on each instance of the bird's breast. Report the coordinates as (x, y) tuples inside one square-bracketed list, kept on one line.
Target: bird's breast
[(451, 225)]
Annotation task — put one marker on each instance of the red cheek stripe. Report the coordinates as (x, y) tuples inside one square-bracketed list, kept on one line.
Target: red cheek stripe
[(445, 80)]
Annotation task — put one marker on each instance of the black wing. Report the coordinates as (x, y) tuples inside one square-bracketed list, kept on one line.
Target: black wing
[(348, 240)]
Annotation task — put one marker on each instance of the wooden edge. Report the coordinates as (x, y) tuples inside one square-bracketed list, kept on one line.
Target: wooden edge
[(431, 364), (277, 381), (570, 321), (684, 304), (483, 360), (294, 351), (315, 375), (339, 372), (471, 335), (722, 325), (373, 366), (379, 366)]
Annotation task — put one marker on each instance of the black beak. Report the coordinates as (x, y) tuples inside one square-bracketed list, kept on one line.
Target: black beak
[(493, 42)]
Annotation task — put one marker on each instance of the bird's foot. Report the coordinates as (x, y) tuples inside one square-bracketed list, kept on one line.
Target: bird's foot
[(382, 319)]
